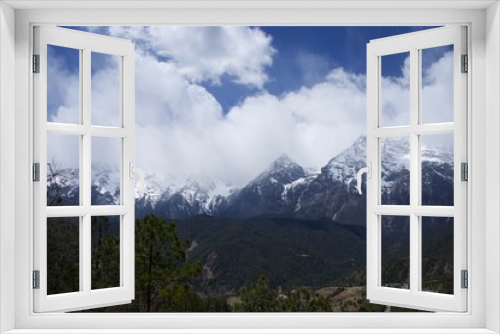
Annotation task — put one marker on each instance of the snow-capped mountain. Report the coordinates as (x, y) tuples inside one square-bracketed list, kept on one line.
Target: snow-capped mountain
[(63, 185), (184, 198), (345, 166), (285, 188), (265, 194)]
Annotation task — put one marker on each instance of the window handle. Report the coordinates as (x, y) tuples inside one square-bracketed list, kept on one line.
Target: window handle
[(132, 171), (368, 171)]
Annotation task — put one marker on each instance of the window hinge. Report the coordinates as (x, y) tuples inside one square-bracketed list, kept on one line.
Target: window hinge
[(465, 279), (464, 171), (465, 64), (36, 279), (36, 63), (36, 172)]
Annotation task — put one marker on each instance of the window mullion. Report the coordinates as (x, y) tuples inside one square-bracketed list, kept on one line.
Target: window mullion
[(414, 170), (81, 192), (86, 170)]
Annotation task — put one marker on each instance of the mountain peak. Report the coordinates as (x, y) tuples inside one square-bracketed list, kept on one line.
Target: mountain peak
[(283, 169), (283, 160)]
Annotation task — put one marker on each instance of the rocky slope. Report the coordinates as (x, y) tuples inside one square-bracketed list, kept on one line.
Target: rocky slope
[(284, 189)]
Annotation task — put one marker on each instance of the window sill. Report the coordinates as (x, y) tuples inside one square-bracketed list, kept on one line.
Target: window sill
[(248, 331)]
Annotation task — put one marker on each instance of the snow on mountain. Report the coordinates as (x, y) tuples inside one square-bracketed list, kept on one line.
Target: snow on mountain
[(153, 189), (284, 187), (395, 156), (264, 195), (64, 183), (105, 182), (183, 197), (291, 186), (345, 166)]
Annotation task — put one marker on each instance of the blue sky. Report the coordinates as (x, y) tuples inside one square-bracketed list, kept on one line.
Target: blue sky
[(233, 99), (305, 55)]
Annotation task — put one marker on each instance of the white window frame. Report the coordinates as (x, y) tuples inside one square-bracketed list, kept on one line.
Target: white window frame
[(414, 43), (85, 43), (484, 212)]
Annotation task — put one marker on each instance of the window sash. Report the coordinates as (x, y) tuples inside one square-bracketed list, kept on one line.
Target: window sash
[(86, 297), (413, 298)]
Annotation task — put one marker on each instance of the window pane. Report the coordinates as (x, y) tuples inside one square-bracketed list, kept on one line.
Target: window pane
[(395, 89), (106, 171), (63, 170), (105, 89), (396, 251), (63, 255), (105, 252), (437, 254), (437, 169), (395, 170), (437, 84), (63, 85)]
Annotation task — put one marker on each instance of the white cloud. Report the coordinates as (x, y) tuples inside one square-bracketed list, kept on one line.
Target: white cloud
[(105, 94), (208, 53), (437, 92), (395, 98), (181, 130), (63, 89)]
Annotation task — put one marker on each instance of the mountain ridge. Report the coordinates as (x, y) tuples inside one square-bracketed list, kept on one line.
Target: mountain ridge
[(284, 188)]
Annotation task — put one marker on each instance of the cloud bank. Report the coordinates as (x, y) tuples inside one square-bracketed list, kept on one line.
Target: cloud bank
[(181, 129)]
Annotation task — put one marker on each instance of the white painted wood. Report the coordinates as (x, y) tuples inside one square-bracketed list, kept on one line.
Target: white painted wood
[(83, 119), (259, 331), (95, 210), (491, 163), (7, 167), (407, 210), (421, 129), (373, 185), (86, 298), (247, 4), (76, 129), (413, 43), (414, 167), (471, 322), (128, 149), (85, 179)]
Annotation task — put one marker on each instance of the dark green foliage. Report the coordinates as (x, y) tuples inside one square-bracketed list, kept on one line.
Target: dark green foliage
[(297, 255), (395, 250), (63, 255), (105, 259), (292, 253), (259, 297), (437, 254), (162, 270)]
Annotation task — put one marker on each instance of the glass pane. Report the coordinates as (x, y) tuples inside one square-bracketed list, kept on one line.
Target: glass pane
[(437, 84), (105, 171), (105, 252), (396, 251), (395, 89), (395, 170), (437, 169), (437, 254), (63, 170), (105, 89), (63, 255), (63, 85)]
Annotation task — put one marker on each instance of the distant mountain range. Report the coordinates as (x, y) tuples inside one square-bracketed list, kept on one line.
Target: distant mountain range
[(284, 189), (299, 228)]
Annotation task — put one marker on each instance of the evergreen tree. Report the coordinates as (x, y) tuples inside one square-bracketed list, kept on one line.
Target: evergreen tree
[(163, 273)]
